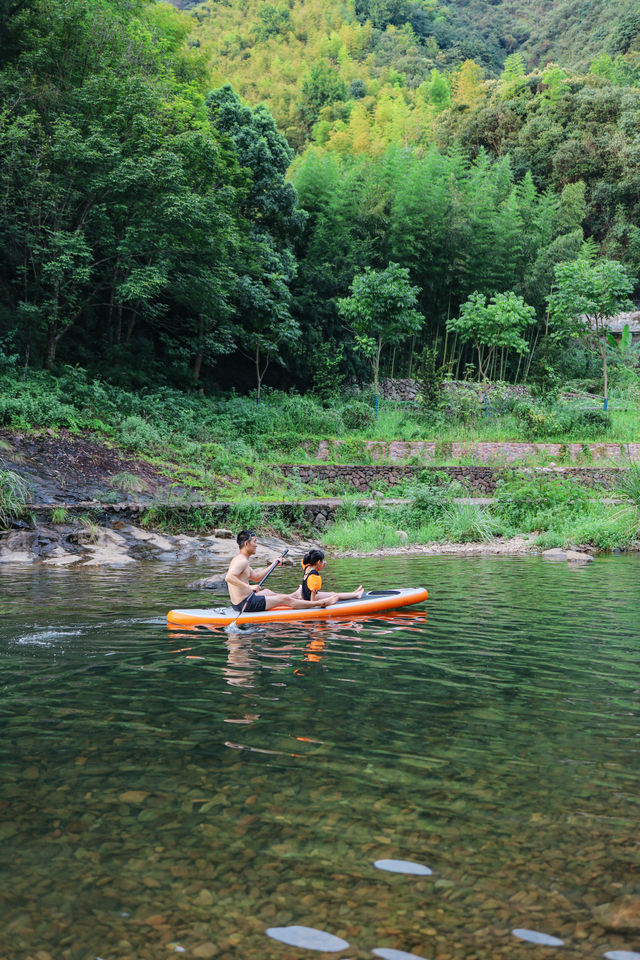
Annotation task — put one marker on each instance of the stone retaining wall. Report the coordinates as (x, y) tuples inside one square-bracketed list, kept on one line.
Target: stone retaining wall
[(400, 451), (477, 479), (317, 512), (407, 390)]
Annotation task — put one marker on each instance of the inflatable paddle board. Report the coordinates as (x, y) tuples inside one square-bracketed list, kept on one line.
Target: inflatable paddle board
[(375, 601)]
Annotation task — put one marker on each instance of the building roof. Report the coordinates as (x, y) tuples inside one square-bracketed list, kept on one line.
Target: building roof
[(619, 322)]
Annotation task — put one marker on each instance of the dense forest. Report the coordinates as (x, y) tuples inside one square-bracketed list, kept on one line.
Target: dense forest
[(193, 196)]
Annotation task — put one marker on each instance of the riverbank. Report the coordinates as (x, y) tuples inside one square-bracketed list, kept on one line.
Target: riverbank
[(82, 543), (78, 499)]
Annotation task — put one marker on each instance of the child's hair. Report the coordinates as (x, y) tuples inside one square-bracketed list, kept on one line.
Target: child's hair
[(243, 536), (314, 556)]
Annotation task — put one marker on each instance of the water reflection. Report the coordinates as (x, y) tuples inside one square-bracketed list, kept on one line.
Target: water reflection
[(195, 789)]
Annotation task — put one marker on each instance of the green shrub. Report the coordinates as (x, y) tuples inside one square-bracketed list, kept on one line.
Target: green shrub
[(128, 482), (246, 516), (599, 526), (583, 422), (537, 502), (463, 406), (357, 415), (429, 501), (536, 422), (136, 434)]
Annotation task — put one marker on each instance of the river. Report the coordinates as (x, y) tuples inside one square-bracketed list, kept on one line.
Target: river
[(180, 793)]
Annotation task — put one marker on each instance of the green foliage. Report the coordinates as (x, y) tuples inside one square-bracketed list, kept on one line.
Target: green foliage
[(380, 310), (587, 293), (467, 522), (14, 497), (599, 526), (527, 502), (498, 323), (246, 516), (59, 515), (561, 420), (136, 434), (128, 482), (323, 85), (357, 415), (370, 533), (430, 377), (629, 483)]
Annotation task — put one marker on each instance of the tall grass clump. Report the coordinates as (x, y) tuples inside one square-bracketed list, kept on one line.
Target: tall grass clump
[(367, 533), (601, 526), (14, 497), (629, 484), (467, 523)]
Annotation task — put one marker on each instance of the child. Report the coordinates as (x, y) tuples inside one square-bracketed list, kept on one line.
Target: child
[(311, 587)]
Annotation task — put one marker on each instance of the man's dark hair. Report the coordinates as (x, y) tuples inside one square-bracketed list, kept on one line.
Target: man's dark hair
[(243, 536)]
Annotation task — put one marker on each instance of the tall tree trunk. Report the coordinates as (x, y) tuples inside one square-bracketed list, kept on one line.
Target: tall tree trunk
[(52, 343), (118, 331), (376, 368), (603, 354), (197, 366), (131, 327)]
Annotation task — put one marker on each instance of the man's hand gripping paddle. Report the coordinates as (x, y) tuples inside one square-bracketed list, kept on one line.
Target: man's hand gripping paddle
[(267, 574)]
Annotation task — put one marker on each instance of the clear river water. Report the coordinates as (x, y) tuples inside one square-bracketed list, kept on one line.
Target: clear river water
[(182, 793)]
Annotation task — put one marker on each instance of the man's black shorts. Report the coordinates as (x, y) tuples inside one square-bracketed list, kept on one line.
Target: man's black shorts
[(253, 605)]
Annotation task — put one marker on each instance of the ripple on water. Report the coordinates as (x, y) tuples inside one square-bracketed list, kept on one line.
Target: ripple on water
[(45, 638), (622, 955), (307, 937)]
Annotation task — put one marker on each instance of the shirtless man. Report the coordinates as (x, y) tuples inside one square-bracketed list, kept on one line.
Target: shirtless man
[(259, 598)]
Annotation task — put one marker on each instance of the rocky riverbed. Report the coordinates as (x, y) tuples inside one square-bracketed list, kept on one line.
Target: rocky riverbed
[(83, 543)]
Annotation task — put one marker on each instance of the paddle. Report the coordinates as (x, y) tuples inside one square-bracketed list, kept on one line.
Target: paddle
[(269, 571)]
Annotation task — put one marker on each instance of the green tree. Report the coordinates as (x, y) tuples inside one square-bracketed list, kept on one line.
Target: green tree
[(381, 310), (322, 85), (490, 325), (270, 222), (588, 292), (513, 77)]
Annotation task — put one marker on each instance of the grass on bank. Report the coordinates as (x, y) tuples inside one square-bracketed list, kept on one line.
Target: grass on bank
[(14, 497), (230, 448), (555, 510)]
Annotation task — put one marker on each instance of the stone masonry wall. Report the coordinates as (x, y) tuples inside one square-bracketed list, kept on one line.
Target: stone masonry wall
[(479, 479), (400, 451)]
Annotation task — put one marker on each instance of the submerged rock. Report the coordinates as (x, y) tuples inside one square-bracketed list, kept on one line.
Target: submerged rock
[(572, 556), (209, 583), (622, 914)]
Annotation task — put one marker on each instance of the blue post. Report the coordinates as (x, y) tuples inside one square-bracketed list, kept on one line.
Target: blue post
[(606, 404), (486, 405), (376, 405)]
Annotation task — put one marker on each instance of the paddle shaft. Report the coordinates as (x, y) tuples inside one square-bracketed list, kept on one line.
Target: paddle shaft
[(267, 574)]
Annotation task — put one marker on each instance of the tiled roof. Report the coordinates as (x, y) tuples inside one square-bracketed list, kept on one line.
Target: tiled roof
[(618, 323)]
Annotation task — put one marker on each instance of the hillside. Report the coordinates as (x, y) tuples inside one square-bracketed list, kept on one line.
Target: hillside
[(571, 32), (309, 60)]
